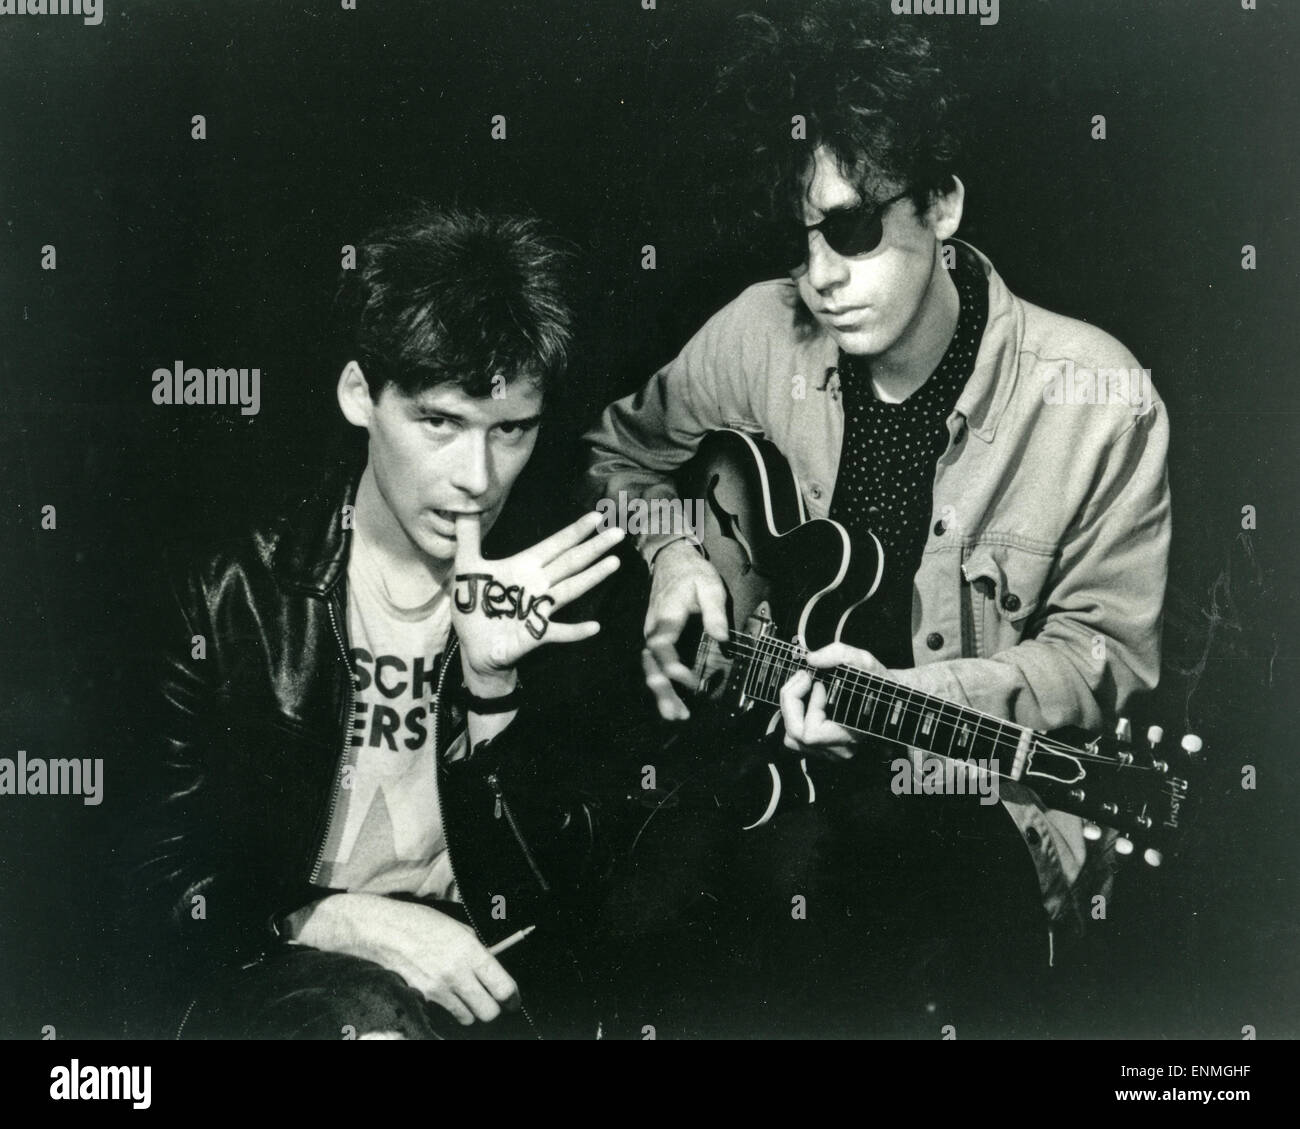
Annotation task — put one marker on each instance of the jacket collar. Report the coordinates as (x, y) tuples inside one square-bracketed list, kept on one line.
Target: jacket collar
[(310, 547), (989, 389)]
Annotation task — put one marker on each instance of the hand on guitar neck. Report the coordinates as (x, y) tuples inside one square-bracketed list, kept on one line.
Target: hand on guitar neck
[(803, 703), (684, 584)]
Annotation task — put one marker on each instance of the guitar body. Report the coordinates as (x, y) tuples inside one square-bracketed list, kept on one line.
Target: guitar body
[(794, 582), (804, 576), (786, 577)]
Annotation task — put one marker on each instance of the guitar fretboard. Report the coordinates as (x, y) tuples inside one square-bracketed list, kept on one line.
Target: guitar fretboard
[(875, 705)]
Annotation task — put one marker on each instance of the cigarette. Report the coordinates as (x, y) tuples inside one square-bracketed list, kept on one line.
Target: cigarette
[(511, 941)]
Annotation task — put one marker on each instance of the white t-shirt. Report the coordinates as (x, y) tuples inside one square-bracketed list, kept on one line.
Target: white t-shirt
[(385, 834)]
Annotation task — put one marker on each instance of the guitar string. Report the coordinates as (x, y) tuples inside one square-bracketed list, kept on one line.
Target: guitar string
[(1165, 786), (856, 680)]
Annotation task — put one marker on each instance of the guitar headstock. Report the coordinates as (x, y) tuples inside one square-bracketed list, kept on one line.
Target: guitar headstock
[(1138, 787)]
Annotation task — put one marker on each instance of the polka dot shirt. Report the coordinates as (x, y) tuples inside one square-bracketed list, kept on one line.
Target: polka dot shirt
[(886, 471)]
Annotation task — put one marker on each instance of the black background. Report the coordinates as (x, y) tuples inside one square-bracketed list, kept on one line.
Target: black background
[(225, 252)]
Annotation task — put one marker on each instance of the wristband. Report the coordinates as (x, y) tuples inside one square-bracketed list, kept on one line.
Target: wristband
[(503, 704)]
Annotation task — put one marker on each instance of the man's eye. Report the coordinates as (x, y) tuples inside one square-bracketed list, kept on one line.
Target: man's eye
[(438, 423), (513, 432)]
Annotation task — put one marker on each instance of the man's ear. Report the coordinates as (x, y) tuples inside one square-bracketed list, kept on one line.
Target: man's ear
[(946, 211), (354, 396)]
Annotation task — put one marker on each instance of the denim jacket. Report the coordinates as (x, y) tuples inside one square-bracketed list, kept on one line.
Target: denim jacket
[(1039, 595)]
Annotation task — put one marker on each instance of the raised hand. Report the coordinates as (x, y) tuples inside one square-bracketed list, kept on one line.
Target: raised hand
[(502, 609), (684, 584)]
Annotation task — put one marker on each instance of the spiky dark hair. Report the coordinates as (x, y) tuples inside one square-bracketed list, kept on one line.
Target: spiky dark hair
[(457, 297)]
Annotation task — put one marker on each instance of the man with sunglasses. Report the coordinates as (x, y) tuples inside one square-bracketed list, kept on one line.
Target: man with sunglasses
[(917, 399)]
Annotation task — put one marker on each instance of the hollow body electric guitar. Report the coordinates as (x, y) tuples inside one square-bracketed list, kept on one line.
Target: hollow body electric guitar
[(791, 580)]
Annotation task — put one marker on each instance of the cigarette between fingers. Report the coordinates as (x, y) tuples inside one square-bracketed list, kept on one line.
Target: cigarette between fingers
[(511, 941)]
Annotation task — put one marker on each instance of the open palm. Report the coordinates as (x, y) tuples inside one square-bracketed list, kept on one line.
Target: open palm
[(502, 609)]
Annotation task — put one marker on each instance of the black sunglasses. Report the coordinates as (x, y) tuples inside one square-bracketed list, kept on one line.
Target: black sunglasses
[(847, 231)]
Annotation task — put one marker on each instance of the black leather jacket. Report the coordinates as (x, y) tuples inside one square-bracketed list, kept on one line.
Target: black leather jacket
[(248, 740)]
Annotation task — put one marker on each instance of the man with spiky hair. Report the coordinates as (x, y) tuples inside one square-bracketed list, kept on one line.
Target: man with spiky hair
[(1025, 533), (349, 812)]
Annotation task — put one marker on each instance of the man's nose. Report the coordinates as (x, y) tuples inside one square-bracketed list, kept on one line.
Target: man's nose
[(826, 268), (472, 469)]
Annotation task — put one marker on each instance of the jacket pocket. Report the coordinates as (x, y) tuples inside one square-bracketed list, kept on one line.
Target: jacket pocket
[(1006, 591)]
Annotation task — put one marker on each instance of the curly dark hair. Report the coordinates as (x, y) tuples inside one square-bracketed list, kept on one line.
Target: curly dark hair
[(456, 297), (872, 92)]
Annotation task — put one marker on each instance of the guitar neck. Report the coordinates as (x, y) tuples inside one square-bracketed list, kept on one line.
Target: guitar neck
[(880, 707)]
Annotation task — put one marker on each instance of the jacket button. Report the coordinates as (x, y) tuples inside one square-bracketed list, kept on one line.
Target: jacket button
[(1010, 601), (934, 640), (1032, 837), (939, 528)]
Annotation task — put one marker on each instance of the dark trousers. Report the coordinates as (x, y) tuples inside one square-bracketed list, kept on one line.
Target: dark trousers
[(863, 915)]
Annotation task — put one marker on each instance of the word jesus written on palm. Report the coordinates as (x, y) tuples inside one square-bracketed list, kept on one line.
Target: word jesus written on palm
[(497, 600)]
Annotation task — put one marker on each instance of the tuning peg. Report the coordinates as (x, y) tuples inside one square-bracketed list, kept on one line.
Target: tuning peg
[(1154, 736), (1123, 846), (1191, 744), (1091, 832), (1123, 739), (1152, 857)]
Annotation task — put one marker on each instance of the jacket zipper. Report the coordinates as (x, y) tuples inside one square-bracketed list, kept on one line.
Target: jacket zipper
[(502, 807), (185, 1018), (343, 752), (437, 754)]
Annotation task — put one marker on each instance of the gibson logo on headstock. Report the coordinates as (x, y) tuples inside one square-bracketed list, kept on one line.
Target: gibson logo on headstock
[(1176, 797)]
